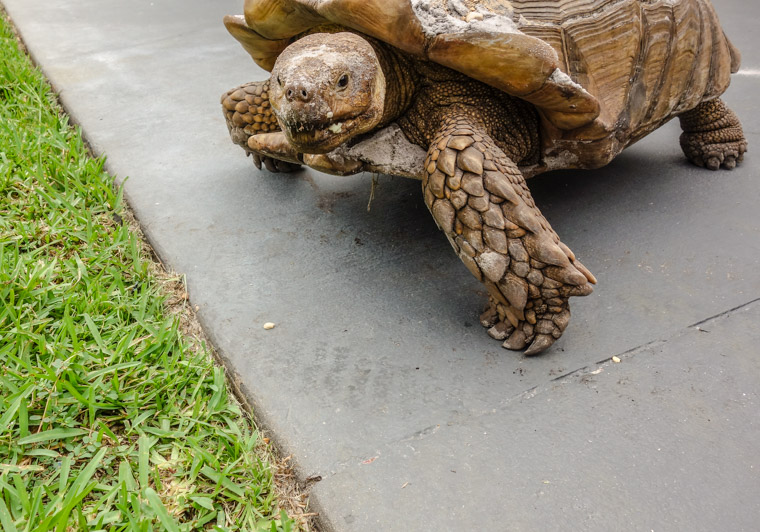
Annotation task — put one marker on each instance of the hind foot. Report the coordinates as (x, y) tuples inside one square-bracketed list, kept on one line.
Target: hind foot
[(712, 136)]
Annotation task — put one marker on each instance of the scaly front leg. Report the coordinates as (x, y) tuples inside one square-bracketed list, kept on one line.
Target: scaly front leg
[(251, 121), (479, 198)]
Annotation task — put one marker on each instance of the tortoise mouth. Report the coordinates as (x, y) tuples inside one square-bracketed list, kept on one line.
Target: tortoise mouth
[(325, 136)]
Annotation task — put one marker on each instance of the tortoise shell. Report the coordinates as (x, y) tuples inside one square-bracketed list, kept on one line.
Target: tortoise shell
[(593, 68)]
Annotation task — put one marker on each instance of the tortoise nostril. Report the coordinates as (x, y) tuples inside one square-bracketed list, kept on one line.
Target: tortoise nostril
[(299, 92)]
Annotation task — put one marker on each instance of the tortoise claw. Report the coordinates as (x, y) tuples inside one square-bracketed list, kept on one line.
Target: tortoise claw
[(269, 164), (713, 163), (489, 317), (542, 342), (501, 330), (516, 341)]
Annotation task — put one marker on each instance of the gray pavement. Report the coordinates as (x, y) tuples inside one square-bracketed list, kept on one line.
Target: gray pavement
[(378, 377)]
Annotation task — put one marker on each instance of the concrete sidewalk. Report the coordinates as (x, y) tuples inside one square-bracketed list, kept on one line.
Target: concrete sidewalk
[(378, 377)]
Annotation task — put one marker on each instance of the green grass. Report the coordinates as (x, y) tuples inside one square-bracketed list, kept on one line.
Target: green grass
[(108, 419)]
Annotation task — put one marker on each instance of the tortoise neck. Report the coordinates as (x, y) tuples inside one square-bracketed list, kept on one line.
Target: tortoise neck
[(444, 95), (400, 81)]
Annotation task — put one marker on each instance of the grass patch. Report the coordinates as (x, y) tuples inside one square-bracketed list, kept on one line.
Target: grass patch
[(109, 420)]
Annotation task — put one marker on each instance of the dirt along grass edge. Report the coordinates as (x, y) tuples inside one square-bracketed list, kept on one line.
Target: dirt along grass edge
[(77, 445)]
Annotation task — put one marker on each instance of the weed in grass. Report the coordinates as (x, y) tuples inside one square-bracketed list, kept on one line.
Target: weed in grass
[(108, 421)]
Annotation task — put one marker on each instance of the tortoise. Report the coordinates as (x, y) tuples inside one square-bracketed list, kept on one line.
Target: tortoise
[(473, 97)]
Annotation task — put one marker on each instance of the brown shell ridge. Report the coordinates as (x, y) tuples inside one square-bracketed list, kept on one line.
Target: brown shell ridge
[(565, 55), (506, 66), (736, 56), (713, 63), (563, 12), (701, 66), (565, 103), (606, 41), (655, 56), (721, 60), (561, 56)]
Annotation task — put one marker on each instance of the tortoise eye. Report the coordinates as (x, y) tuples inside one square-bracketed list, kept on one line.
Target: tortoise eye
[(343, 81)]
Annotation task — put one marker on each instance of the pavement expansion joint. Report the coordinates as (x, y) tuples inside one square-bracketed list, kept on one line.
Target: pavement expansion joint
[(647, 347), (722, 314)]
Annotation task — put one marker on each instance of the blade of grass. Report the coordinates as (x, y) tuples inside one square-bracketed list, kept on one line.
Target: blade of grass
[(158, 507), (52, 434), (5, 518)]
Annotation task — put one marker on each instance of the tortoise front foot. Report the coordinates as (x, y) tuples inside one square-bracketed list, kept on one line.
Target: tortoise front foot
[(547, 313), (479, 198), (274, 152), (712, 136), (278, 155), (249, 115)]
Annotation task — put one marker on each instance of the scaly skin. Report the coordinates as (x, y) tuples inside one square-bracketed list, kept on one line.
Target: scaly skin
[(510, 122), (247, 112), (479, 199), (712, 136)]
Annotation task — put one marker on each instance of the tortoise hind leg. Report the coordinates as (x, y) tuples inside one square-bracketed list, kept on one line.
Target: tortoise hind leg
[(479, 198), (712, 136), (248, 113)]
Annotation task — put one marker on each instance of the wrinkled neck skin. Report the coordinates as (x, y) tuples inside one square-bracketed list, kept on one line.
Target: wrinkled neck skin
[(443, 94), (401, 81)]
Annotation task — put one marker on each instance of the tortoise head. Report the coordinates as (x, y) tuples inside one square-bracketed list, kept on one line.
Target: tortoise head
[(327, 88)]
